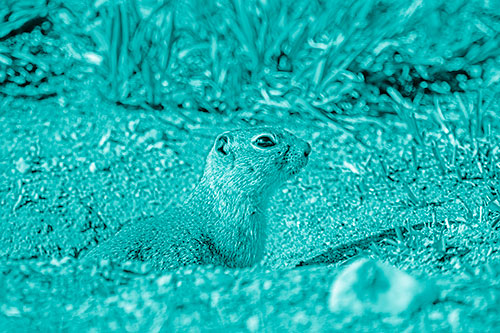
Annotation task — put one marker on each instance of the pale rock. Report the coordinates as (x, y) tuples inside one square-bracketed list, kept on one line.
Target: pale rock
[(369, 286)]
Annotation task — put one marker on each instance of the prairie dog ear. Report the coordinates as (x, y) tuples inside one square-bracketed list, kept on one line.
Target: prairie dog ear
[(221, 145)]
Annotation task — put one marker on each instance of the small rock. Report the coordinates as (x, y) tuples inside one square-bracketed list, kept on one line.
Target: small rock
[(151, 135), (22, 166), (156, 145), (164, 280), (253, 323), (105, 138), (132, 125), (11, 311), (369, 286)]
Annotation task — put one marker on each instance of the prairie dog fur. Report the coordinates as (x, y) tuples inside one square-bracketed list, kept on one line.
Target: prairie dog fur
[(223, 220)]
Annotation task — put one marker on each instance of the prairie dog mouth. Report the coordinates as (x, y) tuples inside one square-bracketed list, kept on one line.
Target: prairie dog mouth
[(293, 159), (295, 165)]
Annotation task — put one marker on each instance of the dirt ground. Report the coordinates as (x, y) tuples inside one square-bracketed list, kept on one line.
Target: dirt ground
[(75, 169)]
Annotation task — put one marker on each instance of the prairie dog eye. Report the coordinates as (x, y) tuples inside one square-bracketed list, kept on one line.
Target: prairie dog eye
[(264, 141)]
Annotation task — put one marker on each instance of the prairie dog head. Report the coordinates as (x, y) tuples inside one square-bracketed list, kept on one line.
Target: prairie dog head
[(256, 160)]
